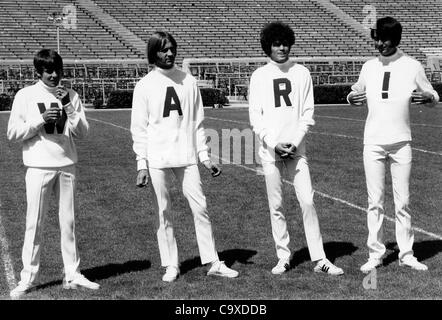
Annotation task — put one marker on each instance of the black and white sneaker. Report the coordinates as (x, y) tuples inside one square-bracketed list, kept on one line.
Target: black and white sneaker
[(325, 266), (172, 273), (22, 289), (281, 267)]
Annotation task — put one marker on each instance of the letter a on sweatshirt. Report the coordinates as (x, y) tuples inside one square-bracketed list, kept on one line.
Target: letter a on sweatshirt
[(171, 103)]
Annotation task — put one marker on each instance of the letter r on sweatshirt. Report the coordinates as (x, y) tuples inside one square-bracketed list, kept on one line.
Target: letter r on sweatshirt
[(171, 102), (282, 88)]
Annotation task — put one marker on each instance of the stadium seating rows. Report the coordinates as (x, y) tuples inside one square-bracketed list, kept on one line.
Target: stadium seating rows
[(25, 29), (421, 20), (203, 28), (230, 28)]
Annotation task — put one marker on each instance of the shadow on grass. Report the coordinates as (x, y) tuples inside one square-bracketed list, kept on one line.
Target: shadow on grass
[(332, 250), (423, 250), (228, 256), (107, 271)]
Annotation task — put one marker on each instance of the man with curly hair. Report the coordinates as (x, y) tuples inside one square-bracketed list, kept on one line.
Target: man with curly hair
[(281, 112)]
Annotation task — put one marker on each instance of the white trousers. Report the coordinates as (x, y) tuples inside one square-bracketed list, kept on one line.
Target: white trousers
[(298, 173), (189, 179), (376, 158), (40, 183)]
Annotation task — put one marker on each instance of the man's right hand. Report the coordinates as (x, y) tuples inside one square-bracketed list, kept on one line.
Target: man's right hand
[(142, 178), (285, 149), (51, 115), (357, 98)]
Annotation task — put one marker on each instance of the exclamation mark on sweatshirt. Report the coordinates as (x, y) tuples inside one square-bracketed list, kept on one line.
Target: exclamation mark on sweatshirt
[(385, 85)]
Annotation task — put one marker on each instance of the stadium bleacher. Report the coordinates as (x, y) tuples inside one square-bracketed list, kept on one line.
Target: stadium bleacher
[(116, 30), (230, 28), (25, 29), (421, 21)]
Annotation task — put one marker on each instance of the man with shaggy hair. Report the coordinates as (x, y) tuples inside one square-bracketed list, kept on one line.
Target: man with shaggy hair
[(168, 140), (281, 112)]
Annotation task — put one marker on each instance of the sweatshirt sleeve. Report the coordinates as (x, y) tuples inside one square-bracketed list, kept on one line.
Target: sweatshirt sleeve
[(202, 148), (360, 85), (138, 127), (306, 113), (256, 112), (77, 122), (424, 85), (20, 127)]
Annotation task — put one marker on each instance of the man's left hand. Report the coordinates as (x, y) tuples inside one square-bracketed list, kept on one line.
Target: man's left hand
[(63, 95), (422, 97), (291, 153), (213, 168)]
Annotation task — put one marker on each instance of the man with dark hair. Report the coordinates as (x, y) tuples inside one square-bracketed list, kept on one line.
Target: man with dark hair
[(276, 30), (46, 117), (156, 44), (281, 112), (387, 85), (169, 139)]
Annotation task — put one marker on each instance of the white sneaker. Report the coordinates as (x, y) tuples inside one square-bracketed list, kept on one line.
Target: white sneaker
[(219, 268), (171, 274), (411, 261), (21, 290), (371, 264), (281, 267), (325, 266), (79, 280)]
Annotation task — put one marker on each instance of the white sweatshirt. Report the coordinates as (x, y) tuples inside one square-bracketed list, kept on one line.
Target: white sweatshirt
[(166, 123), (281, 106), (388, 119), (46, 145)]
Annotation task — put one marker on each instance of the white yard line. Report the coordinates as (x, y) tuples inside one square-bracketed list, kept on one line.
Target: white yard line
[(359, 120), (335, 135), (326, 134), (108, 123), (352, 205), (6, 258), (339, 118)]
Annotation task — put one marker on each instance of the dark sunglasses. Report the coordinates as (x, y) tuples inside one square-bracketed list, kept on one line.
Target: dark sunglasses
[(277, 43)]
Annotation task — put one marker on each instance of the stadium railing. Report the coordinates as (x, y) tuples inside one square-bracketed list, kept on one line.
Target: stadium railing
[(96, 78)]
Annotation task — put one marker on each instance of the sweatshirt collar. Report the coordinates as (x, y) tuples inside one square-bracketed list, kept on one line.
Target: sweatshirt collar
[(47, 88), (386, 60), (166, 72), (282, 66)]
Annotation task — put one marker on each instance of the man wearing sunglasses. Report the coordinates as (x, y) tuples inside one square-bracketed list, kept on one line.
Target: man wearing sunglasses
[(387, 85)]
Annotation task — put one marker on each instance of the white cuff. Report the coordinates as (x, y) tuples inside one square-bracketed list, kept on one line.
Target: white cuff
[(141, 164), (203, 155), (270, 143), (38, 122), (69, 108)]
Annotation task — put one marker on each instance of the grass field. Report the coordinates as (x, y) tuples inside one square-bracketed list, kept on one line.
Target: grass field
[(116, 222)]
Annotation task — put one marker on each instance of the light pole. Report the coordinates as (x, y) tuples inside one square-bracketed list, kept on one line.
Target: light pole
[(57, 20)]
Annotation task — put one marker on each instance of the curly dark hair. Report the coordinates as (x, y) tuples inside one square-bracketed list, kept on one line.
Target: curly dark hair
[(276, 31)]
